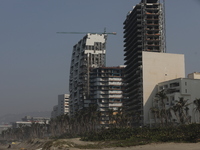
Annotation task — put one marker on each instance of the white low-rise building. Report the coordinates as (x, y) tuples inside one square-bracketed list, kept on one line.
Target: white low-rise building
[(185, 88)]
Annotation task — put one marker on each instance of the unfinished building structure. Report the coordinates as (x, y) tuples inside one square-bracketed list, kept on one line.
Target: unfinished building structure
[(143, 31), (88, 52)]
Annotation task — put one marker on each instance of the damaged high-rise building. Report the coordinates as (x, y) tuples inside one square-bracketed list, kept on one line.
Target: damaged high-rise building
[(88, 53)]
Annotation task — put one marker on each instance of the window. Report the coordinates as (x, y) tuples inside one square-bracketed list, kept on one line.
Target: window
[(175, 84), (165, 86), (172, 98)]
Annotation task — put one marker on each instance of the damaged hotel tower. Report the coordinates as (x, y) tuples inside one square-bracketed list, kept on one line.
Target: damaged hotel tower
[(88, 53)]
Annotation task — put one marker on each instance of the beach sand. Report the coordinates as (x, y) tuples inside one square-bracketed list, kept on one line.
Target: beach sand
[(153, 146), (164, 146)]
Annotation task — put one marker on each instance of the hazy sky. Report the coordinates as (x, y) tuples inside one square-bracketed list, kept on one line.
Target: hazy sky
[(34, 60)]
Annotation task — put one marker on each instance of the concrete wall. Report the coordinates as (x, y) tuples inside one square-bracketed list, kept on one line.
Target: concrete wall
[(159, 67)]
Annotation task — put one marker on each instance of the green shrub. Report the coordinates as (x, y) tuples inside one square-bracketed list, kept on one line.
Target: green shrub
[(184, 133)]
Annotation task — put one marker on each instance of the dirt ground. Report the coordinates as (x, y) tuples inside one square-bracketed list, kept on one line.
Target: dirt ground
[(154, 146)]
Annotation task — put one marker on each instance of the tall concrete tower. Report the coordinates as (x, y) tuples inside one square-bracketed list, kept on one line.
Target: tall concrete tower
[(143, 31), (87, 53)]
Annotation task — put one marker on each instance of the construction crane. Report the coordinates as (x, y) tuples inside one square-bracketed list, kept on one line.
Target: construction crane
[(113, 33), (105, 33)]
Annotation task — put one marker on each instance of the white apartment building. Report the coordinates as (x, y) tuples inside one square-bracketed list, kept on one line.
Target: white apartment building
[(186, 88), (88, 52)]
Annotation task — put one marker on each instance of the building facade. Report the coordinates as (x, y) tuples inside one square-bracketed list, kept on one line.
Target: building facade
[(143, 31), (88, 52), (186, 88), (156, 68), (106, 90)]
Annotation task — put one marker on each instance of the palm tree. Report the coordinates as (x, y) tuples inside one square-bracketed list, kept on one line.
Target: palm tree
[(131, 117), (163, 115), (111, 117), (156, 113), (181, 110), (196, 102)]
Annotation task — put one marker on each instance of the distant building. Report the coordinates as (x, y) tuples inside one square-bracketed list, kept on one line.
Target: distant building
[(88, 52), (40, 119), (4, 127), (106, 90), (54, 113), (63, 104), (28, 121), (62, 107), (18, 124), (35, 119)]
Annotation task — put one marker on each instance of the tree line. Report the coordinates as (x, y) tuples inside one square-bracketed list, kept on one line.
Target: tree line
[(175, 114), (87, 121)]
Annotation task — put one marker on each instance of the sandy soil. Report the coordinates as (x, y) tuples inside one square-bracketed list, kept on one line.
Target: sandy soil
[(164, 146), (154, 146)]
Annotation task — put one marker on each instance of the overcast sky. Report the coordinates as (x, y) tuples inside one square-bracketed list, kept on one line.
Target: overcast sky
[(34, 60)]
